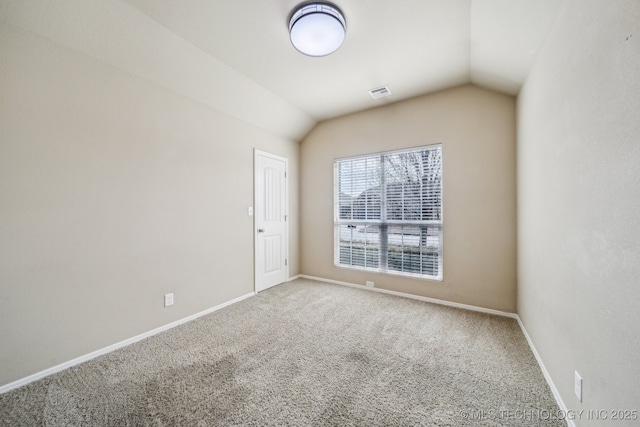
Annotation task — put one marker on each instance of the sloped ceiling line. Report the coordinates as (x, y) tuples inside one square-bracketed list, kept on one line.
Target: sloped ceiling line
[(235, 56), (121, 36)]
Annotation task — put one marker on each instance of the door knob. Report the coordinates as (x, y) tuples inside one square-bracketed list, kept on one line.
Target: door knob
[(260, 230)]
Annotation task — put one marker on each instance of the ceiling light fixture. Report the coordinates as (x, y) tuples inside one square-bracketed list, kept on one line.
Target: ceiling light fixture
[(317, 29)]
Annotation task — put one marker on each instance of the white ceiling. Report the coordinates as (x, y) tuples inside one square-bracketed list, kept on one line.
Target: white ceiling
[(235, 55)]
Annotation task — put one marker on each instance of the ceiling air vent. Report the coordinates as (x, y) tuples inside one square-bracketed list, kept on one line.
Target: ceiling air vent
[(380, 92)]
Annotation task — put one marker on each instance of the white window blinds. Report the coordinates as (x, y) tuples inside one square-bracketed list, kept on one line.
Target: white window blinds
[(388, 212)]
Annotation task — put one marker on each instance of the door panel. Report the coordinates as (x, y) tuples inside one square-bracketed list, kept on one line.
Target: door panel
[(272, 253)]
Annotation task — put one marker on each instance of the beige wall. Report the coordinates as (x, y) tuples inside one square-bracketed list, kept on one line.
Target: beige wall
[(477, 130), (579, 205), (113, 192)]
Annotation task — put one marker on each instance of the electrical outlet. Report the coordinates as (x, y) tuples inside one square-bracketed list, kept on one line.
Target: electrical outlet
[(577, 385), (369, 284), (168, 299)]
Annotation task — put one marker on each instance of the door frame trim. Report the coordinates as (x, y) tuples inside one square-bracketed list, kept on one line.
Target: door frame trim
[(257, 153)]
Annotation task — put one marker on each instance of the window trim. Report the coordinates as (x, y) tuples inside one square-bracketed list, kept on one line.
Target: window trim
[(337, 221)]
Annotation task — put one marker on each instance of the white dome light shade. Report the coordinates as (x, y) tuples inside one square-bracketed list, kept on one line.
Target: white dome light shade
[(317, 29)]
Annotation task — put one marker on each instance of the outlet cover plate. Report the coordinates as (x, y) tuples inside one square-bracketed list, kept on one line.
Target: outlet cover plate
[(577, 385), (168, 299)]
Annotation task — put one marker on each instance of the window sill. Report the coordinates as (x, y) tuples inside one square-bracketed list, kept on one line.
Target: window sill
[(438, 279)]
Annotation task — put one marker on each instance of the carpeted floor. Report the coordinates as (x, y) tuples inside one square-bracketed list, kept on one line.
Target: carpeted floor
[(305, 353)]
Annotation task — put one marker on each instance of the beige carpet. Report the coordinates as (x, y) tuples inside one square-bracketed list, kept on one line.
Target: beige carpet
[(305, 353)]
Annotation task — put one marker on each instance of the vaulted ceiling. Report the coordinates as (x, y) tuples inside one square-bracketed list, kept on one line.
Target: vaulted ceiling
[(235, 55)]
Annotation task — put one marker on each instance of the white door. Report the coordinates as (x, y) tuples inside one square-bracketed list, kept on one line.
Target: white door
[(271, 243)]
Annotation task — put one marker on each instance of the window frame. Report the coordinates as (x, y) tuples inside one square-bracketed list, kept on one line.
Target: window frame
[(426, 226)]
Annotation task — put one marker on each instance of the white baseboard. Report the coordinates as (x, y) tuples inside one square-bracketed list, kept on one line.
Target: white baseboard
[(416, 297), (39, 375), (547, 377)]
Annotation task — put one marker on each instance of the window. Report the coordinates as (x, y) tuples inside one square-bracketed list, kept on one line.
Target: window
[(388, 212)]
